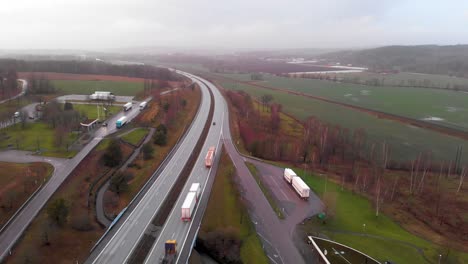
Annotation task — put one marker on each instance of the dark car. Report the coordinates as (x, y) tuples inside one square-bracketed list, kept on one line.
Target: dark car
[(214, 123)]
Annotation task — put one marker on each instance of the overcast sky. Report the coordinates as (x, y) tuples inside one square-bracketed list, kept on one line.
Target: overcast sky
[(256, 24)]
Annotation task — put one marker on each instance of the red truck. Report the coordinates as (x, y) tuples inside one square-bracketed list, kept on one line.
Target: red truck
[(209, 157)]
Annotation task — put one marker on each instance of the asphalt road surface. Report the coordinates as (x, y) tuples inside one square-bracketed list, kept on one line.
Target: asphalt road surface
[(13, 231), (124, 240), (174, 228)]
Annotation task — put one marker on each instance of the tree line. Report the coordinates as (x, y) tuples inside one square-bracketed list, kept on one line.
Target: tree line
[(89, 67)]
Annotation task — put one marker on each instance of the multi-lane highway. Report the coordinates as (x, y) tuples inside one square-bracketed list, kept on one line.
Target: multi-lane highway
[(128, 233), (175, 228), (16, 227)]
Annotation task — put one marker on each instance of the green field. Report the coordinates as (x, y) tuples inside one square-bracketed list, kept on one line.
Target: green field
[(406, 141), (33, 137), (353, 210), (89, 87), (415, 103), (91, 111), (225, 209), (135, 136), (407, 78)]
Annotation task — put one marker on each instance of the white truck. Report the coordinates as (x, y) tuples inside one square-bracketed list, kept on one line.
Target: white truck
[(127, 106), (196, 189), (188, 206), (288, 175), (301, 187), (121, 122), (143, 105), (100, 95)]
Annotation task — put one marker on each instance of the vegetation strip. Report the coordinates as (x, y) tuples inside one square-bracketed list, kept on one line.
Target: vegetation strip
[(143, 247), (226, 219), (379, 114), (266, 191)]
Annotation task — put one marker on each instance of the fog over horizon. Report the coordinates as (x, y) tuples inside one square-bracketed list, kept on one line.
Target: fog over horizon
[(203, 24)]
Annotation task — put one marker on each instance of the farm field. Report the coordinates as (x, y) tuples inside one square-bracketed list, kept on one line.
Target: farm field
[(80, 77), (447, 108), (18, 181), (386, 240), (405, 78), (33, 137), (224, 210), (89, 87), (406, 141)]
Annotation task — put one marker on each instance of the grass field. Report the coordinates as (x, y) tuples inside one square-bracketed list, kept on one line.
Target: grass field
[(17, 182), (352, 211), (266, 192), (225, 209), (415, 103), (33, 137), (406, 141), (134, 137), (402, 78), (90, 110), (89, 87)]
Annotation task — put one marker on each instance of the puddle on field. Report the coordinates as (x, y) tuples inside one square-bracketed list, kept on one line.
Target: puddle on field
[(432, 118)]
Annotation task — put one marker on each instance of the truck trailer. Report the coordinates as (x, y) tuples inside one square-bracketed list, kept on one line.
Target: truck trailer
[(188, 206), (143, 105), (127, 106), (100, 95), (121, 122), (301, 187), (209, 157), (288, 175), (196, 189)]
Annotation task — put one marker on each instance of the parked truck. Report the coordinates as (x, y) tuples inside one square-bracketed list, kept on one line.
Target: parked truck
[(196, 189), (288, 175), (209, 157), (121, 122), (143, 105), (127, 106), (301, 187), (297, 183), (170, 252), (188, 206), (100, 95)]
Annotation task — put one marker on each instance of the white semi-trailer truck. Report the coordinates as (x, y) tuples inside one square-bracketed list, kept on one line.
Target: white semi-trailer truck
[(143, 105), (289, 174), (127, 106), (196, 189), (121, 122), (301, 187), (100, 95), (188, 206)]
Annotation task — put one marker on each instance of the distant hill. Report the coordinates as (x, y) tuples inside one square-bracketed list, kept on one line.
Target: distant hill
[(449, 60)]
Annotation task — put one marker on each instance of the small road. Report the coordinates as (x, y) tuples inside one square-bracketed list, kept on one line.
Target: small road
[(21, 221), (85, 98), (24, 88), (101, 215)]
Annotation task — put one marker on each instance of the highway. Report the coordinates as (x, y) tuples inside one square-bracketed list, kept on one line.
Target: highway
[(130, 231), (174, 227), (275, 236), (16, 227)]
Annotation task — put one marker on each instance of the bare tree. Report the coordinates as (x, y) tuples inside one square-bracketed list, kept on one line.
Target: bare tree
[(462, 177)]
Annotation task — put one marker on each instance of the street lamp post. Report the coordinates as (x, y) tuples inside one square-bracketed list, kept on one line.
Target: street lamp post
[(440, 256)]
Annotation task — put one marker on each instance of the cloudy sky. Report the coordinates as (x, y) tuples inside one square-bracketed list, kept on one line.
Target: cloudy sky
[(254, 24)]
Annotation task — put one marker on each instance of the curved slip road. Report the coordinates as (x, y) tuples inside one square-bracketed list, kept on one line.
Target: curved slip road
[(129, 232), (21, 221)]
